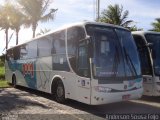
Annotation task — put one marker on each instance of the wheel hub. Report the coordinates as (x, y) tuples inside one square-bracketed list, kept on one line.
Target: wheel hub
[(59, 91)]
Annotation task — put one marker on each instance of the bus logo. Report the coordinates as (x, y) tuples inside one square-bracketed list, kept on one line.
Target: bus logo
[(28, 69)]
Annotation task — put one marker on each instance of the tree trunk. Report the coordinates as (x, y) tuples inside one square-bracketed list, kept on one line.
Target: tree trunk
[(34, 26), (6, 32), (34, 33), (17, 36)]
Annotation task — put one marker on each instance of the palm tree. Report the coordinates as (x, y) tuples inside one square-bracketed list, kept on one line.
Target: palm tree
[(17, 19), (156, 25), (35, 11), (5, 15), (115, 15), (135, 28), (43, 31)]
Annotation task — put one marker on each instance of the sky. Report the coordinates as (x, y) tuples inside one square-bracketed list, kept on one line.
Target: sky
[(142, 12)]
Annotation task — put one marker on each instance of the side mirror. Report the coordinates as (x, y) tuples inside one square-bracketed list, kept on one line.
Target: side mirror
[(149, 45)]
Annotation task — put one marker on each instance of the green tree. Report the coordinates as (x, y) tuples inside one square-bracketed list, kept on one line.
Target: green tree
[(35, 11), (135, 28), (156, 25), (115, 15)]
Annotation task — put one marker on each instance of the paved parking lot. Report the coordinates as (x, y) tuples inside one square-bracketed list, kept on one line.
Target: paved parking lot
[(23, 103)]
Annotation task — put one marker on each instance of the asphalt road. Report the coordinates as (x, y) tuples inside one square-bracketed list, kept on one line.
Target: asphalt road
[(27, 104)]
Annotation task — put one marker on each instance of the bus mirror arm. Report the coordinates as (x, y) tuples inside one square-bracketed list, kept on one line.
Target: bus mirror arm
[(150, 45), (88, 38), (90, 46)]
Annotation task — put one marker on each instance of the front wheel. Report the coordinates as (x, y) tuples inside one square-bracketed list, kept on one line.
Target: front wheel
[(59, 92)]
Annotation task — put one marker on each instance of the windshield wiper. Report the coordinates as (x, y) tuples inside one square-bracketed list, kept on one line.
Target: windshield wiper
[(130, 63)]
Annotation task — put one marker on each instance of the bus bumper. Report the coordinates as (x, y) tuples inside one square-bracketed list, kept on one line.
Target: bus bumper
[(105, 98)]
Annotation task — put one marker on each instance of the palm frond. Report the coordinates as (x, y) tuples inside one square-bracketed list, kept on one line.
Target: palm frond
[(156, 25), (124, 16), (49, 16), (127, 23), (45, 6), (114, 15)]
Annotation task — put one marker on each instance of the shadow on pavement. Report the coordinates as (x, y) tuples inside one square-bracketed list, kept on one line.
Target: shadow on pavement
[(126, 107), (13, 100), (155, 99)]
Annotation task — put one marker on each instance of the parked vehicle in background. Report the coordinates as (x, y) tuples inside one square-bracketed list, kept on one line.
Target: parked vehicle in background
[(148, 44), (90, 62)]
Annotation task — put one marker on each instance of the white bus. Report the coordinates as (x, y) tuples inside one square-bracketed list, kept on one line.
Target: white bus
[(90, 62), (148, 44)]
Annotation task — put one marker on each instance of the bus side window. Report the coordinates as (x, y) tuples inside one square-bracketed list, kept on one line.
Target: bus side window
[(58, 42), (32, 49), (139, 42), (16, 53), (59, 50), (83, 67), (23, 51), (44, 47), (74, 35), (144, 55), (9, 55)]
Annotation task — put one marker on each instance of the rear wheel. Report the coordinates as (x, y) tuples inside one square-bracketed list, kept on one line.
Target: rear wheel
[(14, 81), (59, 92)]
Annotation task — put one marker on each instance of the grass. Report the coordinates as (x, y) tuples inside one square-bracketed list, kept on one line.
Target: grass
[(2, 72), (3, 84)]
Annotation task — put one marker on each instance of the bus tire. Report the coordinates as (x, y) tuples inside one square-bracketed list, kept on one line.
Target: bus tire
[(14, 82), (59, 92)]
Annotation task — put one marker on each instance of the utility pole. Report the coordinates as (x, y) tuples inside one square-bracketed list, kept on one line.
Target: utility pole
[(97, 10)]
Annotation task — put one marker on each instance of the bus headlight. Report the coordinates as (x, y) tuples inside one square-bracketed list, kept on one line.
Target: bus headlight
[(102, 89)]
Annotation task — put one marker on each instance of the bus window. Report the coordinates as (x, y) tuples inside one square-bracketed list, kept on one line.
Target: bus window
[(83, 67), (23, 51), (9, 56), (74, 34), (32, 49), (144, 55), (59, 56), (16, 53), (58, 42), (154, 39), (44, 47)]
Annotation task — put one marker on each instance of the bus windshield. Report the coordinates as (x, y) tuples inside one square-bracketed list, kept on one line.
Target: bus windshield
[(114, 53), (132, 64), (155, 40)]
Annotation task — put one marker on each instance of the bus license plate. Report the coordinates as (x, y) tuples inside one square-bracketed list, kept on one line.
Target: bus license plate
[(125, 97)]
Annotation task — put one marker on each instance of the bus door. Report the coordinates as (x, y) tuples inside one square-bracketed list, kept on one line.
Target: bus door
[(83, 71)]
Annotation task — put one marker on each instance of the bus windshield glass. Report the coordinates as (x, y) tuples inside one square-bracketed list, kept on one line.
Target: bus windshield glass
[(114, 53), (155, 40), (132, 64)]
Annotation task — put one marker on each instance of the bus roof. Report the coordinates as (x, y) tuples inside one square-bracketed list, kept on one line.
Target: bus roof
[(142, 33), (71, 25)]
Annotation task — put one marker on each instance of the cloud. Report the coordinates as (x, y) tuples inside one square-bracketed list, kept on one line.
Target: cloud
[(73, 8)]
